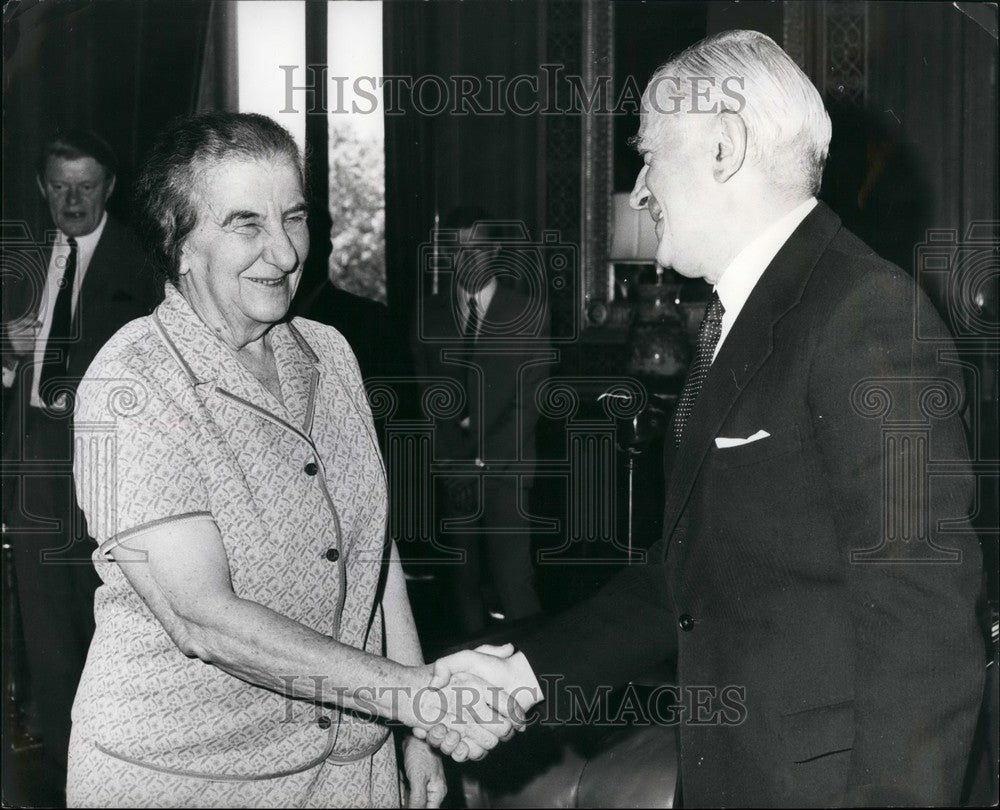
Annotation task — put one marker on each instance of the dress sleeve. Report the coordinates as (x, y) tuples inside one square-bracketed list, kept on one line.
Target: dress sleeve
[(133, 464)]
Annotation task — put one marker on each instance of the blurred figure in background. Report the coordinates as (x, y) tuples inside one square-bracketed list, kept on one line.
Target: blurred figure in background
[(482, 330), (60, 315)]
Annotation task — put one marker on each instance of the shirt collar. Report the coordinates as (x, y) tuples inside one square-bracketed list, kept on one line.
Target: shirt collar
[(483, 297), (743, 273)]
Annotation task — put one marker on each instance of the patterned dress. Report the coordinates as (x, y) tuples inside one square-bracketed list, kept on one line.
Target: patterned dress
[(170, 427)]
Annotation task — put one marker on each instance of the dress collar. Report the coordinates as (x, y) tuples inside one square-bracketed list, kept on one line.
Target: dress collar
[(210, 363)]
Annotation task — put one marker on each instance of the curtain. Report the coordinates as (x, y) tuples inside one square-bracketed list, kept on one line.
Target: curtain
[(118, 67), (435, 162)]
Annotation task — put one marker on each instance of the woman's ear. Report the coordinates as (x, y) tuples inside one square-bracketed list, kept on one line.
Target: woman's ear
[(730, 145), (184, 260)]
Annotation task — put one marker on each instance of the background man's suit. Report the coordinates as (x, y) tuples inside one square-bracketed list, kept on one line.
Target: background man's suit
[(862, 679), (499, 373), (40, 512)]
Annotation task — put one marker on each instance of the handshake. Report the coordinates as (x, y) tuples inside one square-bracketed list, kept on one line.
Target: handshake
[(477, 699)]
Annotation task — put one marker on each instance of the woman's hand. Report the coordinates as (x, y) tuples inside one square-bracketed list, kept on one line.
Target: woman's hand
[(424, 774), (475, 715)]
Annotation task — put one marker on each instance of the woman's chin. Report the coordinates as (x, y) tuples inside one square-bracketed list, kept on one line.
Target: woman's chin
[(270, 308)]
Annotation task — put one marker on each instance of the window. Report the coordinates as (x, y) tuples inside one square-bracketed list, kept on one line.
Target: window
[(357, 148), (273, 34)]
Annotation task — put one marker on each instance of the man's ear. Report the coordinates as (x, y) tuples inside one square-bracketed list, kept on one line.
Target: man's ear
[(111, 188), (730, 135), (41, 186)]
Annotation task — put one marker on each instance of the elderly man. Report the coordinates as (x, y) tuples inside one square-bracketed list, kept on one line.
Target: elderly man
[(822, 623), (94, 282)]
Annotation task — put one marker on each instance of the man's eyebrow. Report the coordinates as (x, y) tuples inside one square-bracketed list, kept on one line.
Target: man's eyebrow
[(298, 208), (242, 214)]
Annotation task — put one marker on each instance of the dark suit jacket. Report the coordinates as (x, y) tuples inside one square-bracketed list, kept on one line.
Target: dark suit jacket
[(860, 679), (117, 288), (366, 325), (500, 376)]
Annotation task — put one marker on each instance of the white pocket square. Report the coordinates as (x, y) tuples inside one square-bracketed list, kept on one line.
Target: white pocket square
[(723, 442)]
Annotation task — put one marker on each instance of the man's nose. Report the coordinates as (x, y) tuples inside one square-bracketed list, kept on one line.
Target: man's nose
[(640, 194), (73, 195)]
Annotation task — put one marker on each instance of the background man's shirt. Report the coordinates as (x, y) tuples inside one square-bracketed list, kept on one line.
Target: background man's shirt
[(85, 247)]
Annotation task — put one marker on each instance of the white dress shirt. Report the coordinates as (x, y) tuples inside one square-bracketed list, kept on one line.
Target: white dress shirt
[(743, 273), (483, 299), (85, 246)]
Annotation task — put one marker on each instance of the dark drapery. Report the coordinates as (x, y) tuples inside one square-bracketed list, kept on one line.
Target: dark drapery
[(119, 67), (439, 161)]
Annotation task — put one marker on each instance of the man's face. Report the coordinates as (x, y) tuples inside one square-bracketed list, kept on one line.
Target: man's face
[(76, 190), (672, 187)]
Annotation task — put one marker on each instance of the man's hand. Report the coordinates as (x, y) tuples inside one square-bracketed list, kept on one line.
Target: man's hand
[(513, 689), (464, 710), (22, 335), (424, 774), (499, 666)]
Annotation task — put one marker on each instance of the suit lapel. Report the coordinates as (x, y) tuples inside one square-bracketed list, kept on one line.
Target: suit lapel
[(101, 272), (748, 344)]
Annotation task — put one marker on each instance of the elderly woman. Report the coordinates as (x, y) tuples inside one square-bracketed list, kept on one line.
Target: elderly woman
[(227, 466)]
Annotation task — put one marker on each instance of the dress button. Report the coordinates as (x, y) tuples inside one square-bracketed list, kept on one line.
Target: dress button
[(310, 468), (324, 723), (332, 554), (686, 622)]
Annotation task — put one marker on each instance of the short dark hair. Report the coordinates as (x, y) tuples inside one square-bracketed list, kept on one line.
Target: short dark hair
[(74, 144), (164, 193)]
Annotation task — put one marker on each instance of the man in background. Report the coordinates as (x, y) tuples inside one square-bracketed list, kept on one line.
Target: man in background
[(483, 330), (94, 282)]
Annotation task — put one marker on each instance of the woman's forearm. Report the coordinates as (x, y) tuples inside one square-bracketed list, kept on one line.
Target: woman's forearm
[(258, 645), (185, 580), (402, 643)]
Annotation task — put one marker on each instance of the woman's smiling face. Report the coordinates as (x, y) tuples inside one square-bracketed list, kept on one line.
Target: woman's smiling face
[(242, 263)]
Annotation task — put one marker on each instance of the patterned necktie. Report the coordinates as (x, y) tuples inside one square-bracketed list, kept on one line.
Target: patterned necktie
[(61, 327), (708, 337), (472, 324)]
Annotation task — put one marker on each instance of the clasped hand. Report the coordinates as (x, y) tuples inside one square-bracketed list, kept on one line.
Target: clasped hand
[(481, 702)]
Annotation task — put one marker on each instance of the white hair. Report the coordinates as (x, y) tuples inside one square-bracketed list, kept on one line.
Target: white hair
[(788, 128)]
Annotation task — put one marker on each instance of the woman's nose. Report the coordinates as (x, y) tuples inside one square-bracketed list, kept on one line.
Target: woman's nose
[(640, 194), (281, 251)]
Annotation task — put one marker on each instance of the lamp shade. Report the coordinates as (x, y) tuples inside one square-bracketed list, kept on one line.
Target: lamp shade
[(633, 235)]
